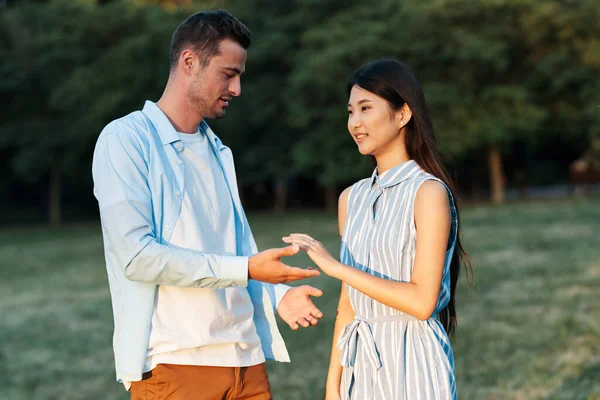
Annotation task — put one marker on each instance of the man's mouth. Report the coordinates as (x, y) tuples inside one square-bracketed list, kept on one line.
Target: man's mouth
[(225, 101)]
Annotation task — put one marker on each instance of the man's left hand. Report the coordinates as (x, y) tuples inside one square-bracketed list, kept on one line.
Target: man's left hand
[(297, 309)]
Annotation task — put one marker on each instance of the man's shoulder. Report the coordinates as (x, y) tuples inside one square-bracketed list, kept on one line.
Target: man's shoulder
[(132, 127)]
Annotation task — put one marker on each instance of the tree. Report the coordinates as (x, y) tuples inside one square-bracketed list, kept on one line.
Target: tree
[(484, 99), (68, 69), (263, 120), (330, 51), (42, 44), (565, 59), (257, 125), (468, 56), (494, 73)]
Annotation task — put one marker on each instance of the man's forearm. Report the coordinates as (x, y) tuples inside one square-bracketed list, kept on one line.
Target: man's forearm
[(142, 258), (173, 266)]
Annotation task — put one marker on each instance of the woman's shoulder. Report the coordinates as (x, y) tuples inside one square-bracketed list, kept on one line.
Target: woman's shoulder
[(360, 185), (422, 176), (349, 194), (426, 185)]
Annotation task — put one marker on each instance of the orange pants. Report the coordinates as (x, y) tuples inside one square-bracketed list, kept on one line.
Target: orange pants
[(191, 382)]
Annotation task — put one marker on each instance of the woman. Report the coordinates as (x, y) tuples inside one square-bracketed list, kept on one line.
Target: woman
[(401, 252)]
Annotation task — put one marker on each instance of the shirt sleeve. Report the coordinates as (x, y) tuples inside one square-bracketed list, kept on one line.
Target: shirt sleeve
[(280, 291), (120, 172)]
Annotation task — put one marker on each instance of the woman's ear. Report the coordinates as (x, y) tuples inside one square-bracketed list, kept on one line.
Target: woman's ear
[(403, 115)]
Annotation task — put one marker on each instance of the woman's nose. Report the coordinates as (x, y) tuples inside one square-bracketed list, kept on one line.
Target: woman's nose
[(354, 122)]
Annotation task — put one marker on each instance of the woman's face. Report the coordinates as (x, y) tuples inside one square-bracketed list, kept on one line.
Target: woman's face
[(373, 125)]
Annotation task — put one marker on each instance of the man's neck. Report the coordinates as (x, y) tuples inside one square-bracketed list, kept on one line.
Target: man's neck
[(176, 108)]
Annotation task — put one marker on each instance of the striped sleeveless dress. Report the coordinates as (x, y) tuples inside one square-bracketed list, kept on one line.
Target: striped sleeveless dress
[(386, 354)]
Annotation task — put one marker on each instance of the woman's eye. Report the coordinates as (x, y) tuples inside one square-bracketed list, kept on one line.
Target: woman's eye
[(349, 112), (364, 108)]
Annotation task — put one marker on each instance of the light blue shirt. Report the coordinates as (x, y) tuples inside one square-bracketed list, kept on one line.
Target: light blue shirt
[(139, 183)]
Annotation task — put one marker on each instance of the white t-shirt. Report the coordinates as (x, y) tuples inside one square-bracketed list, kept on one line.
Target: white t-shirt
[(197, 326)]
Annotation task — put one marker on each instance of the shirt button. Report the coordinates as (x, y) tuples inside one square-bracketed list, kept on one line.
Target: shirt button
[(179, 162), (167, 227), (178, 145), (178, 193)]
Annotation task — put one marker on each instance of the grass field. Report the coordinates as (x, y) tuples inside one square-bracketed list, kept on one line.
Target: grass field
[(531, 329)]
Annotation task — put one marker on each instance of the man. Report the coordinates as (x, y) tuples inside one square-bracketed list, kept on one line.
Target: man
[(193, 301)]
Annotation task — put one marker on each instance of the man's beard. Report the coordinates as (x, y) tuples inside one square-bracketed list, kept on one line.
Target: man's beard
[(200, 105), (217, 113)]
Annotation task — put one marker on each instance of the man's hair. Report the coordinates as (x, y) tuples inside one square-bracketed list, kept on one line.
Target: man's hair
[(203, 32)]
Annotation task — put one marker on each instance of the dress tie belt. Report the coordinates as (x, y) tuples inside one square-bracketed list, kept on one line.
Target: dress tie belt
[(361, 328)]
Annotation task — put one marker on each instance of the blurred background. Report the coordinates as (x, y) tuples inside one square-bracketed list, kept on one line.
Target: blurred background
[(513, 87)]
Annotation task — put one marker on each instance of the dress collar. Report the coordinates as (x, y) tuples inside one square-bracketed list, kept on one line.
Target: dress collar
[(395, 175)]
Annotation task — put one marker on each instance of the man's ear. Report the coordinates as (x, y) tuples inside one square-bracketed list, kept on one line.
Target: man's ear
[(187, 61)]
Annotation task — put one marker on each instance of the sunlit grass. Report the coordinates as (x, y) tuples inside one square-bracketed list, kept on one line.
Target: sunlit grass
[(531, 329)]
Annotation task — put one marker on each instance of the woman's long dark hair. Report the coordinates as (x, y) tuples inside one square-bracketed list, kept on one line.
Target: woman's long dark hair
[(394, 81)]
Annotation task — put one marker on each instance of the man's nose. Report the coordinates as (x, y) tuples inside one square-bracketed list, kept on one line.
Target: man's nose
[(235, 88)]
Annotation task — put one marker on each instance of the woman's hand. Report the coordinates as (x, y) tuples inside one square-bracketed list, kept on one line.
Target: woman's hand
[(317, 252)]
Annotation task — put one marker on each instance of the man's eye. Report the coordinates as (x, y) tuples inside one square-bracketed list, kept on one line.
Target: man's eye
[(228, 75)]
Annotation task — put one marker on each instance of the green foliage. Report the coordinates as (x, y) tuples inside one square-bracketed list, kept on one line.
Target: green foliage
[(494, 73), (71, 67), (563, 38), (37, 56)]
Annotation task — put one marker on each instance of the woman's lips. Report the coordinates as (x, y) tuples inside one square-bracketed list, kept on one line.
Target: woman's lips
[(360, 137)]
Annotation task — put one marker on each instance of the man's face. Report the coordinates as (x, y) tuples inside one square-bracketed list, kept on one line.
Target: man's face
[(213, 86)]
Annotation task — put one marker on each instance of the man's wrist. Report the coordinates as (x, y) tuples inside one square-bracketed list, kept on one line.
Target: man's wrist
[(280, 292), (237, 268), (250, 263)]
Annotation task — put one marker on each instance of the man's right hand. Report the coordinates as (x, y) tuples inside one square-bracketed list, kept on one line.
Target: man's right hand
[(266, 266)]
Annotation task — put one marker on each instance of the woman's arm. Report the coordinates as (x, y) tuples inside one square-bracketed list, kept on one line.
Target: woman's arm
[(419, 296), (344, 315)]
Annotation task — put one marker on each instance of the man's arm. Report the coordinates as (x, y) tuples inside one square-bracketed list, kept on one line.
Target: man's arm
[(120, 172)]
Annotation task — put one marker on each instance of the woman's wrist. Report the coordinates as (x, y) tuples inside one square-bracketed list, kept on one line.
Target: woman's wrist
[(337, 270)]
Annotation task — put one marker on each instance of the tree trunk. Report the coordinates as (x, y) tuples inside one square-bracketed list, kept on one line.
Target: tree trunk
[(281, 190), (497, 178), (331, 197), (54, 210)]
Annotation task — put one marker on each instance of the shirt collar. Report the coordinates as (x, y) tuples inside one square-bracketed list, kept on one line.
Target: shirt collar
[(394, 176), (165, 129)]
